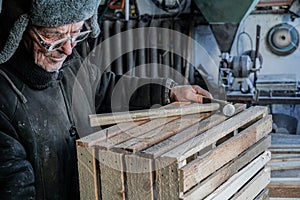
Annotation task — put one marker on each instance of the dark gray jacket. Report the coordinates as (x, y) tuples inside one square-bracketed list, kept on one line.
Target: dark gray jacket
[(40, 113)]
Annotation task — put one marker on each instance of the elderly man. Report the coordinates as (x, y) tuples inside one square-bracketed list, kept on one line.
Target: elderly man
[(47, 93)]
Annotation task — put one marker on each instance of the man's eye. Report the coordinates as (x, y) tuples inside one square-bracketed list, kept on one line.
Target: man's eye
[(52, 35), (75, 32)]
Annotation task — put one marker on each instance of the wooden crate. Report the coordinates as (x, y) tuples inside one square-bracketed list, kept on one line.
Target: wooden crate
[(200, 156)]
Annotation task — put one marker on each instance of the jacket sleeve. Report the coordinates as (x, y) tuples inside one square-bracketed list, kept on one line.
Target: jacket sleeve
[(16, 172), (122, 93)]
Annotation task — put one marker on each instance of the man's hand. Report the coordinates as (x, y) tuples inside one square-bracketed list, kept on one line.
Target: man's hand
[(189, 93)]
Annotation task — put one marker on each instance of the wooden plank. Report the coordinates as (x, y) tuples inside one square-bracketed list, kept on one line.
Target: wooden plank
[(285, 193), (212, 135), (267, 3), (133, 133), (232, 185), (112, 175), (155, 136), (283, 157), (139, 178), (167, 185), (130, 116), (284, 165), (264, 195), (88, 184), (285, 187), (285, 146), (285, 182), (107, 133), (187, 134), (285, 198), (200, 168), (286, 151), (255, 186), (287, 139), (217, 178)]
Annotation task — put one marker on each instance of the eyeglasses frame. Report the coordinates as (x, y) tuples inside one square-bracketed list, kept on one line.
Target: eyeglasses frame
[(51, 47)]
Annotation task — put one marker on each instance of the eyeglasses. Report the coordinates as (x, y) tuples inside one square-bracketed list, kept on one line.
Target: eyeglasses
[(78, 37)]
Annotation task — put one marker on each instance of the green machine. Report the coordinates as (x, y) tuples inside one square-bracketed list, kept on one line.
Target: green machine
[(224, 17)]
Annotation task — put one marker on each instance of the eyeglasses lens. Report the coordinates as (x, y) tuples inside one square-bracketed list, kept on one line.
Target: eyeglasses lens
[(74, 39)]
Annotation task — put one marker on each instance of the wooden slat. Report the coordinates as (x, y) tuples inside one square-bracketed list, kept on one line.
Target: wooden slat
[(284, 165), (187, 134), (282, 157), (232, 185), (284, 187), (285, 198), (139, 178), (264, 3), (112, 175), (255, 186), (107, 133), (155, 136), (212, 135), (130, 116), (88, 182), (281, 151), (135, 132), (200, 168), (285, 146), (294, 182), (217, 178), (167, 185)]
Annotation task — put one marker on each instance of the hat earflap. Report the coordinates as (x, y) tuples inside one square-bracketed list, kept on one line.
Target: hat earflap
[(95, 26), (14, 38)]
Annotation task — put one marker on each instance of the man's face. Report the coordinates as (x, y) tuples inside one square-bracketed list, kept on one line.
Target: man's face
[(52, 60)]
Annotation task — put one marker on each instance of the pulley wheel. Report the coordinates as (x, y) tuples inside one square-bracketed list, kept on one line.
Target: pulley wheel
[(283, 39)]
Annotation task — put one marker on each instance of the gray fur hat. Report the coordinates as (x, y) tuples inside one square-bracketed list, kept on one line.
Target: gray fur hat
[(17, 14)]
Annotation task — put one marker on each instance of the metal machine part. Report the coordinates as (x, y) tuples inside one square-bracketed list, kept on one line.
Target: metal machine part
[(283, 39), (163, 7), (236, 73)]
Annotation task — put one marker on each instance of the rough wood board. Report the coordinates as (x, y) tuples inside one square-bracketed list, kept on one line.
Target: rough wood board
[(284, 192), (112, 175), (293, 173), (286, 151), (232, 185), (275, 198), (183, 136), (285, 182), (212, 135), (130, 116), (155, 136), (220, 176), (167, 184), (135, 132), (285, 146), (200, 168), (139, 178), (287, 139), (101, 135), (284, 165), (285, 157), (255, 186), (87, 172)]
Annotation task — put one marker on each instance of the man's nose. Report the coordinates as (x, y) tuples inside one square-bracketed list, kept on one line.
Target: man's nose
[(67, 47)]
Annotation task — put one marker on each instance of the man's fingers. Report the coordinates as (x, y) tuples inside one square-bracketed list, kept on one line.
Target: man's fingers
[(202, 92)]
